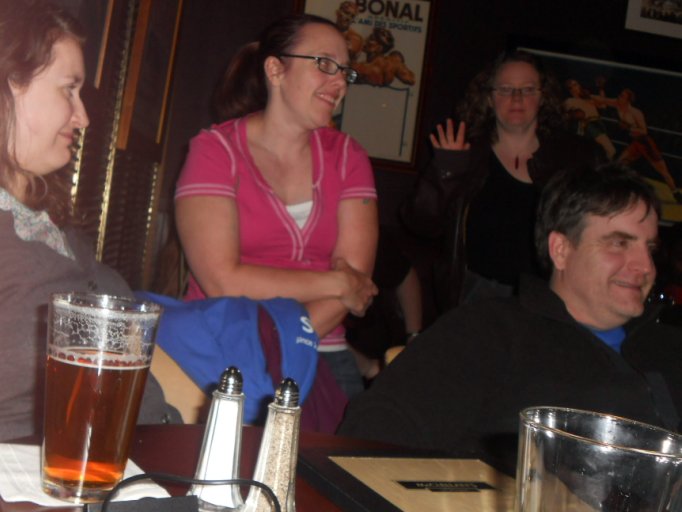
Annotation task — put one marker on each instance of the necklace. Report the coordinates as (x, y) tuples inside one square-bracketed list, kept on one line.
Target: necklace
[(514, 162), (514, 157)]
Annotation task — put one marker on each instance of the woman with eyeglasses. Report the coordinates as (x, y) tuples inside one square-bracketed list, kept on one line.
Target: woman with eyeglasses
[(275, 203), (479, 193)]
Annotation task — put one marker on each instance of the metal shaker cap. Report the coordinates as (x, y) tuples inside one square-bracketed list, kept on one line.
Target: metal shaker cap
[(231, 381), (286, 393)]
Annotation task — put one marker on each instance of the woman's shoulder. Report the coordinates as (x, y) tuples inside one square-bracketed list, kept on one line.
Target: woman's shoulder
[(214, 151), (22, 226), (24, 263), (217, 135)]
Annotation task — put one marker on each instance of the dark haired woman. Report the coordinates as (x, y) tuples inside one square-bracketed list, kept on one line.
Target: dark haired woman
[(273, 203), (41, 75), (481, 189)]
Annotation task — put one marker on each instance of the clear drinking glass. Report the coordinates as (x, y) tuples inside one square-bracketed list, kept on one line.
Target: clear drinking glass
[(573, 460), (99, 350)]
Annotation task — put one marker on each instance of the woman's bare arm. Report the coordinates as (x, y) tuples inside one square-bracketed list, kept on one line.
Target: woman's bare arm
[(209, 231), (355, 247)]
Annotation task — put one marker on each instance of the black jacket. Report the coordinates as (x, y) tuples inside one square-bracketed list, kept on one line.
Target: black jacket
[(438, 206), (460, 385)]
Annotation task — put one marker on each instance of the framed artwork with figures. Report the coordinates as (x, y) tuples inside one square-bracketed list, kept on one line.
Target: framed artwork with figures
[(633, 111), (387, 41)]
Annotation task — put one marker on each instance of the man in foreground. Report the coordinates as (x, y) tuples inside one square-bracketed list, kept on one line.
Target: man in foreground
[(586, 339)]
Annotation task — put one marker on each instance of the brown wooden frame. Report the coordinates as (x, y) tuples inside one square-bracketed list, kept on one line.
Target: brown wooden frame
[(142, 46)]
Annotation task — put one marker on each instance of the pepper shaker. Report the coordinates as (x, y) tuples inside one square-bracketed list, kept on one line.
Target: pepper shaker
[(221, 447), (276, 464)]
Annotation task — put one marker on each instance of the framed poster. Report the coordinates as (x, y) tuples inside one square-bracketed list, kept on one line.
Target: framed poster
[(387, 42), (634, 112), (661, 18)]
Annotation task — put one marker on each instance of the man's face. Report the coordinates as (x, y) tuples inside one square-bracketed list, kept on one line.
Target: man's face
[(606, 276)]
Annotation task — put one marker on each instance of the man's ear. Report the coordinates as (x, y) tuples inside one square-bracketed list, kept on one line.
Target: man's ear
[(559, 247), (274, 69)]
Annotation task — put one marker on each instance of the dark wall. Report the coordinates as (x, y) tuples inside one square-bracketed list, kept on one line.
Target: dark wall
[(210, 33), (465, 35)]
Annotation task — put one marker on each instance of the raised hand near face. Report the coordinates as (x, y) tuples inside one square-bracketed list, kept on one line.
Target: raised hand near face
[(447, 139)]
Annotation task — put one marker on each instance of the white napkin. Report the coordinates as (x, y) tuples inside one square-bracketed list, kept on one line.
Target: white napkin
[(20, 478)]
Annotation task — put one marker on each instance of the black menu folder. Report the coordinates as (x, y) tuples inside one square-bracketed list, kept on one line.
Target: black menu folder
[(367, 482)]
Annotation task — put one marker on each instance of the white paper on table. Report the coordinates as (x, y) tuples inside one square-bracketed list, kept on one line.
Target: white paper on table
[(20, 478)]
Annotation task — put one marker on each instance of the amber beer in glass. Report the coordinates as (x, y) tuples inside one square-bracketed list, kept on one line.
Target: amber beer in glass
[(98, 355)]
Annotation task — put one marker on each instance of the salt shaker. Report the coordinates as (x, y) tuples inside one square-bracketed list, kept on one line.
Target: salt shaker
[(276, 464), (220, 451)]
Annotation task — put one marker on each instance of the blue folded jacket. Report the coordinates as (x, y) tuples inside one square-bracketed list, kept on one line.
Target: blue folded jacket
[(204, 337)]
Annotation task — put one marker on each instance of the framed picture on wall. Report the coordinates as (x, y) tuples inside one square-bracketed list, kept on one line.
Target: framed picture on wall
[(634, 112), (387, 42), (661, 18)]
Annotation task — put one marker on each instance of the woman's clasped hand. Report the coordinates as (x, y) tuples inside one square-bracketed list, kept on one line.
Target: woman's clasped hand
[(358, 289)]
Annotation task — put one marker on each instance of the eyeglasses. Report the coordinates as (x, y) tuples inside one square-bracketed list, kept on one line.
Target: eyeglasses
[(507, 90), (328, 66)]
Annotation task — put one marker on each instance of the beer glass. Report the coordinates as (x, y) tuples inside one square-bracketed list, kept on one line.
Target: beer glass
[(99, 350), (582, 461)]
